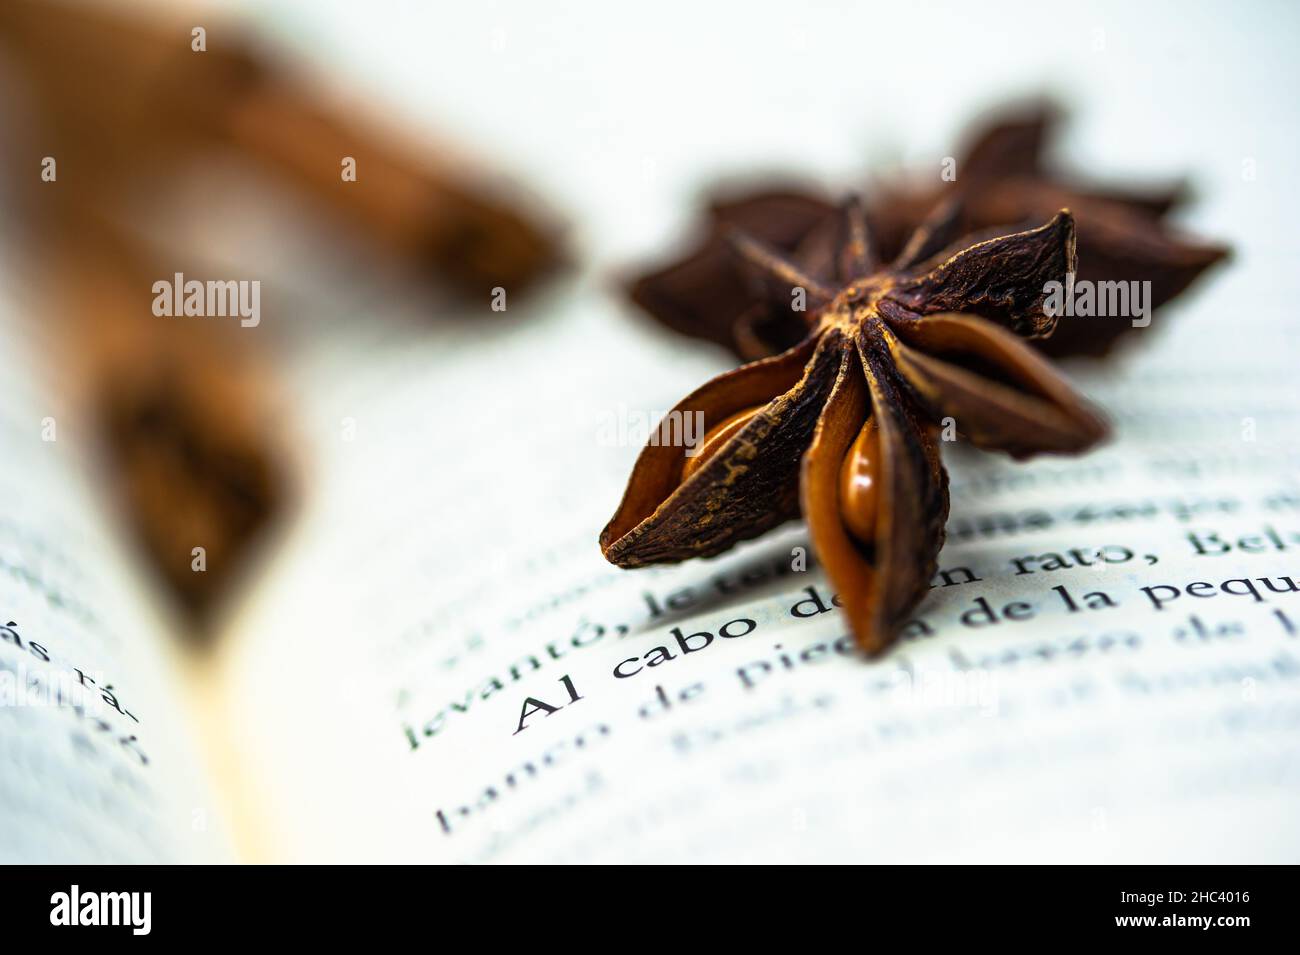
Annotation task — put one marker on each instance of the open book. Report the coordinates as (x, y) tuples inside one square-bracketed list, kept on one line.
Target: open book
[(436, 664)]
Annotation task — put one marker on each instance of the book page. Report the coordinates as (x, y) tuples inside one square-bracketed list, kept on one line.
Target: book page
[(1105, 667), (447, 669), (97, 762)]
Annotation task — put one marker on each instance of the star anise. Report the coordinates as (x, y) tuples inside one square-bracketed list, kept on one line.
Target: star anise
[(1002, 182), (845, 425)]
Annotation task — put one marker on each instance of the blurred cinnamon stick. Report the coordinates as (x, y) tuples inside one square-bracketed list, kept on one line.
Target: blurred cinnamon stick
[(121, 102), (120, 97), (183, 411)]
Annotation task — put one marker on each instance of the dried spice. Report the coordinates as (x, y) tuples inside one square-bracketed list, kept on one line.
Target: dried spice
[(102, 83), (1002, 182), (186, 468), (130, 110), (184, 415), (845, 425)]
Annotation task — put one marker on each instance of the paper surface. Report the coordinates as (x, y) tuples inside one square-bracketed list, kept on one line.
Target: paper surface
[(1105, 690), (1107, 668), (97, 757)]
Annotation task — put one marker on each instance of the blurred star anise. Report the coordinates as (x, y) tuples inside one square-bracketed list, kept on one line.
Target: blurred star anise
[(846, 424), (1002, 183)]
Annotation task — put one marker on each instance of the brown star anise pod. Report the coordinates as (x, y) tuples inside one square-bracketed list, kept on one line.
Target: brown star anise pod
[(845, 424), (1002, 182)]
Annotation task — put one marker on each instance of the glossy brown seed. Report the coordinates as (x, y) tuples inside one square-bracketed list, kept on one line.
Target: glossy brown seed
[(859, 484)]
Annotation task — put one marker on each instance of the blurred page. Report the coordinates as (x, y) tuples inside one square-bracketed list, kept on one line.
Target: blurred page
[(97, 762)]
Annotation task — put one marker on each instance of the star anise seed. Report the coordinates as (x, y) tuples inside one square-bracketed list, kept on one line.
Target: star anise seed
[(1002, 182), (844, 426)]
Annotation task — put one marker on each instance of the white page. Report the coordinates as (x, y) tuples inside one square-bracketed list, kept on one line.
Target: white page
[(446, 548), (462, 484), (97, 761)]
